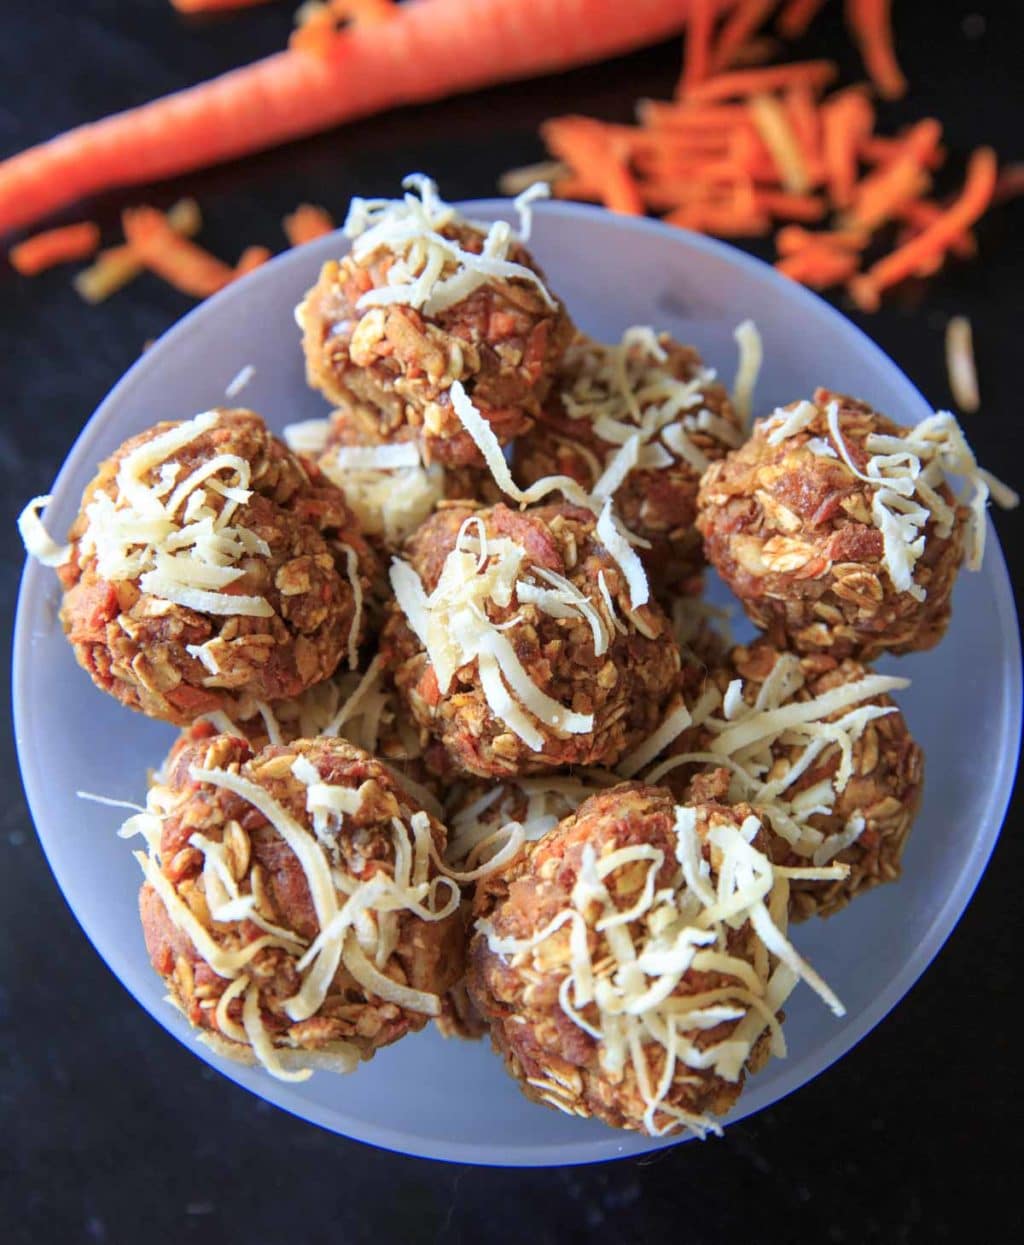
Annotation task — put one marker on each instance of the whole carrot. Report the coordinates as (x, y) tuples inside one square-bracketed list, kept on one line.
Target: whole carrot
[(432, 48)]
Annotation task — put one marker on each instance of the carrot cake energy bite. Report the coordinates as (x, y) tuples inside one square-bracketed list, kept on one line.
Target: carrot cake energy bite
[(385, 480), (209, 564), (426, 298), (820, 750), (632, 963), (638, 422), (293, 902), (515, 642), (839, 531)]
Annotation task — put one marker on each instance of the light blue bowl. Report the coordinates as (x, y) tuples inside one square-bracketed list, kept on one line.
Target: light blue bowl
[(452, 1100)]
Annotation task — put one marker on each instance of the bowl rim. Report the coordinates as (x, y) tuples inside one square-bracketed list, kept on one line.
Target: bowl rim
[(599, 1148)]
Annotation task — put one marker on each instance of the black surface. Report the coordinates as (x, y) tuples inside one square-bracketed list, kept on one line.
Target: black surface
[(112, 1132)]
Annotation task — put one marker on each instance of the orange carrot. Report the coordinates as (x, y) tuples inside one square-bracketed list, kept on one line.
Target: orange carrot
[(687, 116), (55, 246), (697, 49), (252, 257), (878, 196), (797, 16), (883, 148), (937, 238), (430, 49), (213, 6), (593, 151), (725, 221), (847, 118), (575, 188), (814, 74), (819, 267), (306, 223), (871, 24), (920, 213), (179, 262), (780, 204), (115, 267), (792, 238), (747, 17)]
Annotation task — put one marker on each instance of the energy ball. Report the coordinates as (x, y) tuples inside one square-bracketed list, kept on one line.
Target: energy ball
[(651, 388), (208, 564), (292, 903), (836, 528), (820, 750), (387, 484), (485, 820), (426, 298), (359, 707), (514, 644), (608, 991)]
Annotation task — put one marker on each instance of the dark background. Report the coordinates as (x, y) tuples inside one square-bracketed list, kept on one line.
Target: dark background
[(112, 1132)]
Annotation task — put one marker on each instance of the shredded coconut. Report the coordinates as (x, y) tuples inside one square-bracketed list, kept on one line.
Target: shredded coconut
[(431, 271)]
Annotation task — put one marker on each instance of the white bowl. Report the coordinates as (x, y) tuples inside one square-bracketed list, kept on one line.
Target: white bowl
[(452, 1100)]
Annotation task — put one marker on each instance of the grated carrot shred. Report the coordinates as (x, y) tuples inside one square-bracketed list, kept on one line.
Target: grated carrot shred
[(62, 245), (871, 24), (306, 223), (906, 260), (178, 261)]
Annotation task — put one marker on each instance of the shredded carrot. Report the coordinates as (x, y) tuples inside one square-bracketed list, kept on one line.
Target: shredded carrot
[(118, 265), (960, 366), (796, 16), (847, 118), (777, 134), (792, 238), (920, 213), (747, 17), (742, 82), (785, 206), (697, 48), (687, 116), (306, 223), (871, 23), (883, 149), (584, 145), (55, 246), (878, 198), (213, 6), (179, 262), (724, 221), (937, 238), (819, 266), (252, 257), (575, 188)]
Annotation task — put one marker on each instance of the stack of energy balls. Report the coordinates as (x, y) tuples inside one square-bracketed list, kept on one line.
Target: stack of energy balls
[(459, 742)]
